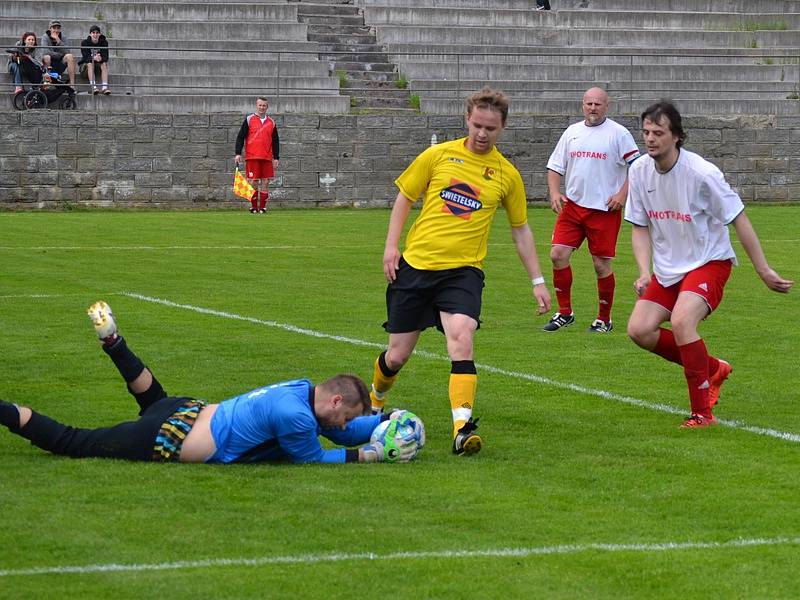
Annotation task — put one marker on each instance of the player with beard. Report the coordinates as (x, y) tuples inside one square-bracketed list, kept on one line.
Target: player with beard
[(592, 156), (680, 207)]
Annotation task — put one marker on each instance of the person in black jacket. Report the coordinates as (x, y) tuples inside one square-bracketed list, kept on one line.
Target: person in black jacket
[(94, 57)]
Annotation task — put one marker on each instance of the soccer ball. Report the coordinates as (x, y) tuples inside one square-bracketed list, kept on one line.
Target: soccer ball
[(391, 434)]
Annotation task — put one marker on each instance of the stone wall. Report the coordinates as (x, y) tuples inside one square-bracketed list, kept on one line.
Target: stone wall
[(51, 159)]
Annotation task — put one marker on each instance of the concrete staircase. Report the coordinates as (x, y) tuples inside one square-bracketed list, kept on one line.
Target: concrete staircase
[(358, 61), (711, 57), (190, 56)]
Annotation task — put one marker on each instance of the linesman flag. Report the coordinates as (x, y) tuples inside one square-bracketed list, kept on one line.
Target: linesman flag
[(242, 187)]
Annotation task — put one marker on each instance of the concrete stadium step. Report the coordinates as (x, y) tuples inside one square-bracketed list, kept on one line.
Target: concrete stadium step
[(585, 38), (290, 50), (76, 30), (465, 56), (325, 20), (223, 66), (720, 106), (481, 17), (373, 67), (616, 89), (240, 103), (211, 84), (365, 39), (110, 12), (343, 30), (364, 67), (332, 9), (701, 6), (353, 56), (373, 76), (493, 72)]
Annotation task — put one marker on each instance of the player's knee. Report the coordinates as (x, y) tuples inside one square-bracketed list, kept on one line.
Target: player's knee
[(602, 267), (396, 358), (559, 255), (638, 332)]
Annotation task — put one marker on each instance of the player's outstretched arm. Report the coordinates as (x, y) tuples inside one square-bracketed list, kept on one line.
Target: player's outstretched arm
[(749, 240)]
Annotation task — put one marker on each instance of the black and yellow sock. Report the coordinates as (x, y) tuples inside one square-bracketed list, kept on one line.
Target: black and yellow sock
[(462, 389), (383, 379)]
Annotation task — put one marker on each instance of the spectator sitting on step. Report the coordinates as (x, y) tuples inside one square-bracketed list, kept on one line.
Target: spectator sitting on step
[(25, 61), (542, 4), (94, 58), (57, 56)]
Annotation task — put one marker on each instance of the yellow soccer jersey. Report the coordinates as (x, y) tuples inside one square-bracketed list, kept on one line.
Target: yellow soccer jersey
[(462, 191)]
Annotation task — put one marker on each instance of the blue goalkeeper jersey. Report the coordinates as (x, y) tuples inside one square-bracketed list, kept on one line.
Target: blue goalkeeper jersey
[(277, 422)]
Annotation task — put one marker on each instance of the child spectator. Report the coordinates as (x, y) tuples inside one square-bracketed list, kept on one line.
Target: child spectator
[(94, 57)]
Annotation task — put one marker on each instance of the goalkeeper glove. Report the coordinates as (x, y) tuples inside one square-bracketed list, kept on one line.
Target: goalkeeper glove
[(409, 419), (404, 450)]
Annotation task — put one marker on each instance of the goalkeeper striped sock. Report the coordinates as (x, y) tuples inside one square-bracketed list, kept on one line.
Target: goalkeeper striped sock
[(462, 389), (383, 379)]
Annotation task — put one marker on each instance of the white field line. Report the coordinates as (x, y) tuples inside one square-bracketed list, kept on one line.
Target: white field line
[(782, 435), (308, 559)]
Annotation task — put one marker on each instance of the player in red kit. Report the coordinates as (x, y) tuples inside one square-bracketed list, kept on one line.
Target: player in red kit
[(258, 137), (592, 158), (680, 207)]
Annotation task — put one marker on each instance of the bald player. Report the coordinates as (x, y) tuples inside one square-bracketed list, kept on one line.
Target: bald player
[(592, 157)]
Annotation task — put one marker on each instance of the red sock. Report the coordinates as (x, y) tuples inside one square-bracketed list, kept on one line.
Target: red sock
[(264, 198), (562, 282), (605, 296), (695, 367), (254, 200), (667, 348)]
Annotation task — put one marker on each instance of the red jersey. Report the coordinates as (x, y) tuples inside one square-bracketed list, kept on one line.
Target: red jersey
[(259, 138)]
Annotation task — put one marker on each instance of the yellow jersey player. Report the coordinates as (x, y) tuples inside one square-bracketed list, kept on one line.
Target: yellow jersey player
[(438, 279)]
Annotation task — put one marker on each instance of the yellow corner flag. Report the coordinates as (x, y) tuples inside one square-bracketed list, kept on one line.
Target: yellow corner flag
[(242, 187)]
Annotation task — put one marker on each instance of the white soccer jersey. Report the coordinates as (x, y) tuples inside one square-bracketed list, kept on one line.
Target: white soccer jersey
[(687, 209), (594, 161)]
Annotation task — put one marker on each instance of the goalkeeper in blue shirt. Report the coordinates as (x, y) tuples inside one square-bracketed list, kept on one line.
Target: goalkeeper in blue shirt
[(272, 423)]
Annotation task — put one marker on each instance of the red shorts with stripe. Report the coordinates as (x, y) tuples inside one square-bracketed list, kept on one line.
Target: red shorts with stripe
[(576, 223), (707, 281), (259, 168)]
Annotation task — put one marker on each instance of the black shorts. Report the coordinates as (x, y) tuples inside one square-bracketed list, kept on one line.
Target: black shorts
[(415, 299), (57, 64)]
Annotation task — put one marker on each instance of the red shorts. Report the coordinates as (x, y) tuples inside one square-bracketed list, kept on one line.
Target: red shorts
[(259, 168), (576, 223), (707, 281)]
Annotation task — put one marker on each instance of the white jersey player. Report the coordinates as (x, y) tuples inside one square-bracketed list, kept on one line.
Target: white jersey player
[(593, 157), (680, 206)]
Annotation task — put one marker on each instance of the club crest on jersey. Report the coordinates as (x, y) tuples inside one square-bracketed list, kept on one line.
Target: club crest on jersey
[(460, 199), (488, 173)]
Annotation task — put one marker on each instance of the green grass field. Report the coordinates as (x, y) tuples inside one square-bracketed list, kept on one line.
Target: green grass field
[(585, 487)]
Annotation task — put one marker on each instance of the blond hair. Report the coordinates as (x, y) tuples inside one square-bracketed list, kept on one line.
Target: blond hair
[(489, 98)]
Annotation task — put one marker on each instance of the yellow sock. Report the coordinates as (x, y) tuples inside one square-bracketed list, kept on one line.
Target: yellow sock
[(381, 383), (462, 398)]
